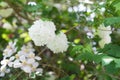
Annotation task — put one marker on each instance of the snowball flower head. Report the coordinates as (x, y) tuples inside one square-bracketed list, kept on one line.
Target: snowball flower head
[(59, 44), (41, 32)]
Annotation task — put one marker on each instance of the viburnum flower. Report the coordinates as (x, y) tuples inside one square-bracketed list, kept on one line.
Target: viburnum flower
[(59, 43), (10, 49), (41, 32)]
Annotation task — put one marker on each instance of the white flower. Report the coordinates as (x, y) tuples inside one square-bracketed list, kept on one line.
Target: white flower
[(17, 64), (104, 41), (8, 61), (26, 59), (32, 3), (102, 10), (82, 7), (7, 26), (39, 71), (90, 35), (3, 68), (51, 76), (70, 9), (59, 44), (27, 69), (104, 34), (10, 49), (42, 32), (91, 17), (103, 31), (79, 8)]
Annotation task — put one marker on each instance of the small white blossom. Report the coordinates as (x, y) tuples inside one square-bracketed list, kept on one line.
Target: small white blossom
[(52, 76), (59, 44), (90, 35), (3, 68), (25, 59), (26, 68), (70, 9), (91, 17), (7, 26), (32, 3), (10, 49), (39, 71), (81, 7), (17, 64)]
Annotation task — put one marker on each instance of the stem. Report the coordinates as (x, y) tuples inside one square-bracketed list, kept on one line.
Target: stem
[(58, 69), (18, 75), (42, 51), (71, 29)]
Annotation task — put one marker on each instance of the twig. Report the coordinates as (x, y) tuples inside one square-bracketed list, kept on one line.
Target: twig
[(18, 75), (42, 51), (71, 29)]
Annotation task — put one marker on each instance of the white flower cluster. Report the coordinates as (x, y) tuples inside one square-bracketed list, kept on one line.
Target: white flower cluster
[(24, 59), (104, 34), (43, 33), (59, 43)]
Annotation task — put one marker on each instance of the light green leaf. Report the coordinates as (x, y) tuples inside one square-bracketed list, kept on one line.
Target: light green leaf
[(117, 6), (117, 61)]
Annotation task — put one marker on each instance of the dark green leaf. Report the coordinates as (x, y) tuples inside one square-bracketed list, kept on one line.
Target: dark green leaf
[(111, 21), (111, 68), (70, 67), (112, 50), (68, 77)]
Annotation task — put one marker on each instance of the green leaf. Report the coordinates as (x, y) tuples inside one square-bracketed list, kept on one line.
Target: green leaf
[(112, 50), (70, 67), (111, 68), (117, 5), (117, 61), (104, 77), (98, 57), (30, 8), (85, 56), (76, 50), (111, 21), (68, 77)]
